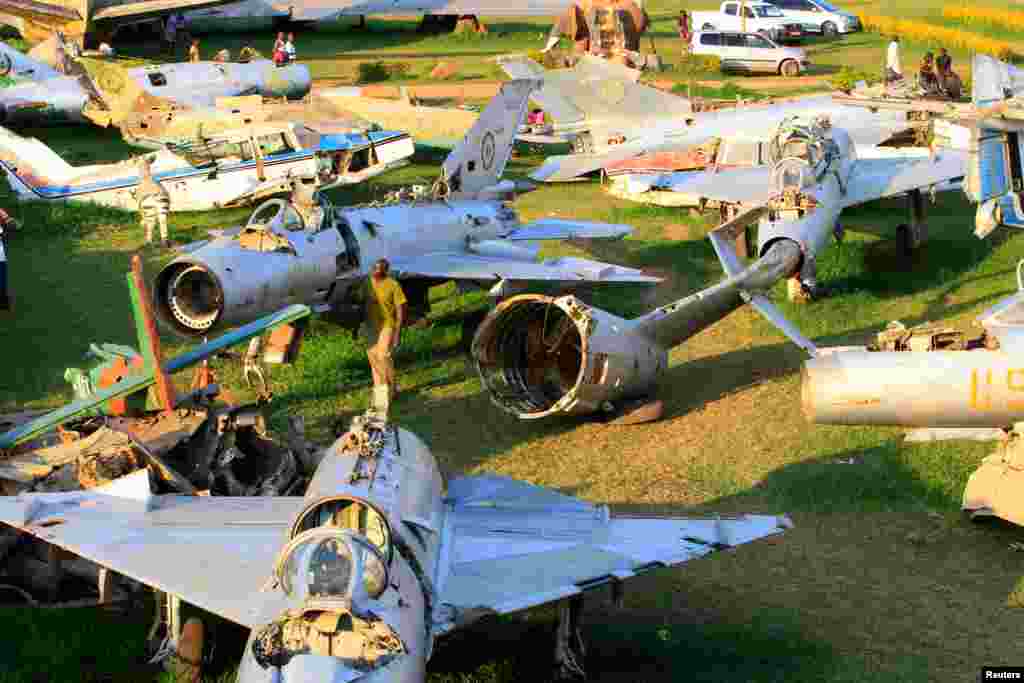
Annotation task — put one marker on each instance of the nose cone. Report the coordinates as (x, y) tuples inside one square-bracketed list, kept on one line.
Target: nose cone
[(306, 668), (189, 298)]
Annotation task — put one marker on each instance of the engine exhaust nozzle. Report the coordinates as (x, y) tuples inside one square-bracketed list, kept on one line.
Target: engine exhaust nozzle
[(189, 299), (540, 355)]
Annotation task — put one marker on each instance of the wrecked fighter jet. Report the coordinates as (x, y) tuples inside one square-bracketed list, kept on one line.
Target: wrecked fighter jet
[(95, 91), (936, 377), (231, 169), (539, 356), (317, 254), (357, 579), (612, 118)]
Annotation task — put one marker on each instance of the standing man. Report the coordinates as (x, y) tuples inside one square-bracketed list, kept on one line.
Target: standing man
[(386, 308), (893, 69), (193, 52), (5, 301), (154, 202)]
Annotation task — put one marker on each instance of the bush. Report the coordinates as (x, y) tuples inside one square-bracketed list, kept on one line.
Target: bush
[(930, 33), (374, 72), (847, 78)]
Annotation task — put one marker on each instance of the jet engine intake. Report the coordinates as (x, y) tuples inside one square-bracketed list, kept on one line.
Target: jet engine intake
[(540, 355), (189, 298)]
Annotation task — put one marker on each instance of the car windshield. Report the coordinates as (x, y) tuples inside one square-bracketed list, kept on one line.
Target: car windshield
[(768, 11)]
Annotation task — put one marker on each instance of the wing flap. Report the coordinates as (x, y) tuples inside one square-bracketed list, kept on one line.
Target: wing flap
[(215, 553), (462, 266)]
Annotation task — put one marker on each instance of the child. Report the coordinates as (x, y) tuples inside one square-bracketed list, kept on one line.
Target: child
[(289, 48), (279, 56)]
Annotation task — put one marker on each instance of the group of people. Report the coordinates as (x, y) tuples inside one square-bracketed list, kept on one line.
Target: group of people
[(935, 76), (284, 49)]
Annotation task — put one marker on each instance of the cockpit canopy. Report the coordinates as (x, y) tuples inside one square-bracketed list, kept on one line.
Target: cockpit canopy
[(276, 215), (340, 549), (328, 565), (799, 151)]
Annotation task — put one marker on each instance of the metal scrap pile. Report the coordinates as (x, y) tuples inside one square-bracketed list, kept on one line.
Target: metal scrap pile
[(205, 450)]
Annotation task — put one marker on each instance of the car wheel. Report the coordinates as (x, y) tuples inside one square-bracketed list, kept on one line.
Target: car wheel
[(789, 68), (829, 30)]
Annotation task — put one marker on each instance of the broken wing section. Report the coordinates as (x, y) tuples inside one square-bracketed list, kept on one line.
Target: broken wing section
[(566, 269), (215, 553), (558, 229), (510, 545), (887, 177)]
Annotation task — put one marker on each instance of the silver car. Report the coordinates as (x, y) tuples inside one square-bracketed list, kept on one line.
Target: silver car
[(749, 53)]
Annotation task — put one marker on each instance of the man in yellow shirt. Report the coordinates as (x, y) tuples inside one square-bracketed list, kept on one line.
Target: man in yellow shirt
[(386, 308)]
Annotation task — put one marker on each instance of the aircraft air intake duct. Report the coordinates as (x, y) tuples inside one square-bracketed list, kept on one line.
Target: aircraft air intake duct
[(189, 298), (540, 355), (913, 388)]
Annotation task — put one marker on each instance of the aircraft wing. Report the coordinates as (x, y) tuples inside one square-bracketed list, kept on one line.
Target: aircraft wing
[(752, 185), (213, 552), (464, 266), (149, 9), (510, 545), (886, 177)]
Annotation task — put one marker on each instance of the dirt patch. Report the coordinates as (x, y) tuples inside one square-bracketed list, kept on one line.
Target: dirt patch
[(682, 232)]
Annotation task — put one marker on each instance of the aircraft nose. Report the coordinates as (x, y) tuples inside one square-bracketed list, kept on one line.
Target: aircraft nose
[(323, 669)]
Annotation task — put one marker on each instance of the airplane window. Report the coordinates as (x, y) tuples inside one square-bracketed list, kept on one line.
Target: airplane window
[(308, 138), (273, 144), (157, 79), (292, 221), (265, 214)]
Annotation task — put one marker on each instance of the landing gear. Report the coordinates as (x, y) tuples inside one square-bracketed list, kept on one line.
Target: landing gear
[(570, 651), (913, 235), (178, 647)]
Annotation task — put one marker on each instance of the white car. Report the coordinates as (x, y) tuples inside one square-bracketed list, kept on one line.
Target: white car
[(753, 17), (749, 53), (818, 16)]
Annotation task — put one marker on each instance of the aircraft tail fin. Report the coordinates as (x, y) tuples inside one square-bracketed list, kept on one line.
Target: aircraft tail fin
[(478, 162), (596, 95)]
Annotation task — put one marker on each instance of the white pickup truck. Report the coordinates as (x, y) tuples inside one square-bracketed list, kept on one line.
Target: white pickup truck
[(761, 17)]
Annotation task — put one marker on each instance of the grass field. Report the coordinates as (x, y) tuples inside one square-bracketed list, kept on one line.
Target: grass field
[(881, 580)]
